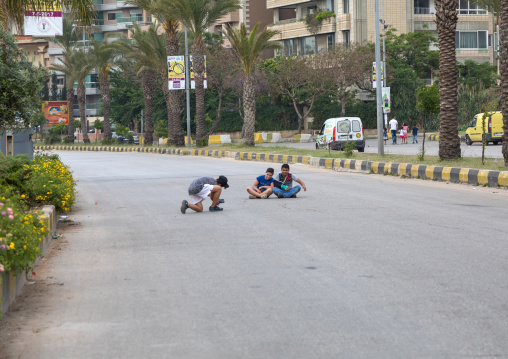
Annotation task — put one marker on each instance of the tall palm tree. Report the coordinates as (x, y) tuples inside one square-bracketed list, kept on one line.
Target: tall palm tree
[(248, 48), (504, 76), (67, 67), (446, 19), (139, 49), (82, 11), (103, 57), (161, 10), (198, 16), (83, 64)]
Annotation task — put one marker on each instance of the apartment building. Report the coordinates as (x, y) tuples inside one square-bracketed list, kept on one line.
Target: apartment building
[(354, 22), (252, 12)]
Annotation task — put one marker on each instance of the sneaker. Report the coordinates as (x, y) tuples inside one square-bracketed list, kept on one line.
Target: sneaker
[(215, 209), (264, 196), (293, 196), (280, 196), (184, 206), (251, 196)]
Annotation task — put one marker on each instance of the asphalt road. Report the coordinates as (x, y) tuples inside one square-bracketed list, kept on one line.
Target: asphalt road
[(431, 148), (359, 266)]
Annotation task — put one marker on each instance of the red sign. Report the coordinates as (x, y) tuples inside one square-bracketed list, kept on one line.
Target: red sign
[(55, 112)]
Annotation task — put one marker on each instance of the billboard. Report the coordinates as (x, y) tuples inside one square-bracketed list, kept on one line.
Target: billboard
[(176, 73), (55, 112), (48, 21), (386, 100), (374, 74)]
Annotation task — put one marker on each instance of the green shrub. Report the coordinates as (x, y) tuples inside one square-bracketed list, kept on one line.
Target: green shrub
[(13, 171), (20, 233)]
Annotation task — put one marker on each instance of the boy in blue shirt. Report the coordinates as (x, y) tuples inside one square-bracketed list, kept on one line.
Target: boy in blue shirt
[(263, 187)]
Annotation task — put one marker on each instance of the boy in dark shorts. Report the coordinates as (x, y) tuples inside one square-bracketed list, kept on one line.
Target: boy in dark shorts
[(201, 188), (263, 186), (283, 186)]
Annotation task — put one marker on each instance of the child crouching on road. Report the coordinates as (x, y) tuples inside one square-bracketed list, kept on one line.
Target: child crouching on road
[(263, 186), (283, 186), (201, 188)]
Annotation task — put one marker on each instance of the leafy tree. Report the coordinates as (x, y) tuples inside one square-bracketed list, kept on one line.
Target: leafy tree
[(125, 89), (471, 73), (198, 16), (20, 84), (54, 87), (446, 19), (248, 48), (83, 64)]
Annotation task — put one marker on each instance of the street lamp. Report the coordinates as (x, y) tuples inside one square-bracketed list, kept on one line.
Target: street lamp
[(379, 90)]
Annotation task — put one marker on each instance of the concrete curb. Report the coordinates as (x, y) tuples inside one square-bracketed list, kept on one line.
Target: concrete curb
[(12, 284), (452, 174)]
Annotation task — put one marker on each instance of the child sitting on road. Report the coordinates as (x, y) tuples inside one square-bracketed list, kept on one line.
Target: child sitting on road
[(263, 187), (283, 186)]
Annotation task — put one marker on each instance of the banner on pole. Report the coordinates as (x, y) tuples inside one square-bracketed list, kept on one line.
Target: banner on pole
[(386, 100), (48, 21), (193, 83), (374, 74), (176, 72), (55, 112)]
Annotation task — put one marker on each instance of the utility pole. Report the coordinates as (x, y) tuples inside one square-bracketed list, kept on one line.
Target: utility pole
[(187, 88), (384, 54), (379, 89)]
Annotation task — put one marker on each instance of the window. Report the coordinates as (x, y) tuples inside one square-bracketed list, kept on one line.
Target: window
[(289, 47), (330, 41), (112, 16), (308, 45), (346, 38), (471, 40), (356, 126), (312, 10), (329, 5), (60, 81), (422, 6), (345, 4), (466, 8)]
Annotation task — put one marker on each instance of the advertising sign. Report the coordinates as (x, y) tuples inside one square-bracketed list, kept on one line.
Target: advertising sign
[(386, 99), (176, 72), (55, 112), (374, 74), (193, 83), (48, 21)]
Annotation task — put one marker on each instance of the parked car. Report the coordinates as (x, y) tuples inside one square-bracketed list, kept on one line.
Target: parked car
[(336, 132), (135, 137)]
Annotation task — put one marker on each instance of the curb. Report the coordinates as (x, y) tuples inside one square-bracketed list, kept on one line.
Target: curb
[(12, 284), (436, 173)]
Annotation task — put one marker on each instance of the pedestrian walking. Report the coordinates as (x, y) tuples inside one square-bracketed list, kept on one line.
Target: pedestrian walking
[(394, 126)]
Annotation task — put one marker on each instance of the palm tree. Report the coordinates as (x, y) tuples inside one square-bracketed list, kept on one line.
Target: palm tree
[(248, 48), (446, 19), (140, 50), (82, 11), (198, 16), (103, 57), (504, 76), (83, 64), (67, 67), (161, 10)]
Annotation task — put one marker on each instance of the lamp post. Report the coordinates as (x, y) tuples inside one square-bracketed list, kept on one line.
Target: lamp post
[(379, 90), (187, 88)]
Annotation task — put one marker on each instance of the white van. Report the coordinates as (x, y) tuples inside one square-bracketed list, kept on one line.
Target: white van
[(338, 131)]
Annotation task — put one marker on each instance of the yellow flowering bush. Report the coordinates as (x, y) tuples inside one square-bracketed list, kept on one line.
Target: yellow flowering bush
[(20, 233), (51, 182)]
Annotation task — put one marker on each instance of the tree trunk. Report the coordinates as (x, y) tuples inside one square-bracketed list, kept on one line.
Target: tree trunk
[(249, 110), (215, 123), (70, 99), (446, 18), (149, 80), (175, 133), (104, 82), (82, 113), (504, 76), (198, 63)]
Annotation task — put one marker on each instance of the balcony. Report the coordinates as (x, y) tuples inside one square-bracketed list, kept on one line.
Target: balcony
[(293, 28), (231, 17), (272, 4)]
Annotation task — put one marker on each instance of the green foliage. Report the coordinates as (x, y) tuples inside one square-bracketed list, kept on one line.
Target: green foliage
[(428, 99), (98, 125), (77, 124), (20, 233), (13, 171), (20, 84), (313, 20), (472, 99), (473, 74), (348, 149), (54, 87), (125, 89), (121, 130), (324, 15)]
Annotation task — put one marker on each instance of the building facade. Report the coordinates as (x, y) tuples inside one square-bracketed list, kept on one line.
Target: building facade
[(354, 22)]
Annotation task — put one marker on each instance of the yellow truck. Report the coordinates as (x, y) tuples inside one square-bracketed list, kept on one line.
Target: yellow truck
[(493, 129)]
